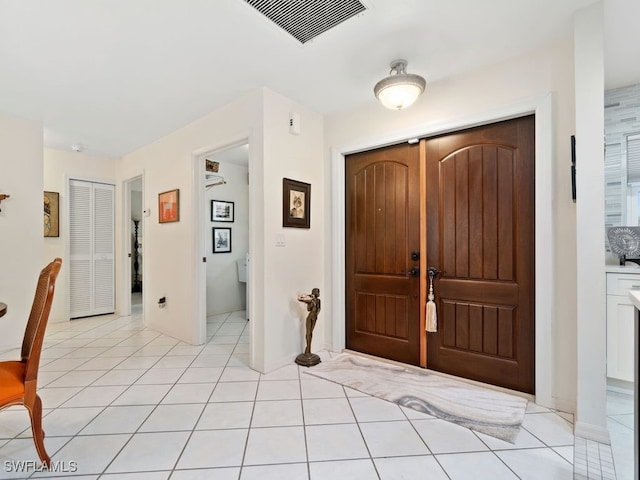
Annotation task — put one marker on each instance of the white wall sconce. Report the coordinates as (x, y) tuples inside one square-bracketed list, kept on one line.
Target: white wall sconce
[(400, 89)]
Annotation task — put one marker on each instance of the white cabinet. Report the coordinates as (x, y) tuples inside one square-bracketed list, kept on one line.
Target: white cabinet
[(620, 328)]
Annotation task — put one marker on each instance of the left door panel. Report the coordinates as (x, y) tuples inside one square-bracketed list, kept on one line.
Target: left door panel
[(382, 251)]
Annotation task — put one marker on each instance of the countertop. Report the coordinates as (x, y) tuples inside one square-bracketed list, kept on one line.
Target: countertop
[(634, 295), (633, 268)]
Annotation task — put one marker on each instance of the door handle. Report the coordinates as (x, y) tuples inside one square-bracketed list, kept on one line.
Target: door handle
[(433, 272), (415, 256), (414, 272)]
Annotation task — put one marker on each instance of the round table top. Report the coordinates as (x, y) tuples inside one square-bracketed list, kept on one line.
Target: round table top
[(3, 309)]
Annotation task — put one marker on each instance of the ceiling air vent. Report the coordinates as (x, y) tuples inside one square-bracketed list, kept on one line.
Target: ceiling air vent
[(306, 19)]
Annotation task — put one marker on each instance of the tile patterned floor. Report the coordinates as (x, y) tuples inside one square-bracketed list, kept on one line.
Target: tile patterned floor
[(620, 425), (592, 460), (125, 402)]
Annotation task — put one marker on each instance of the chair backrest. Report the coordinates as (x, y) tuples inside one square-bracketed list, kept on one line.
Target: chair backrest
[(34, 333)]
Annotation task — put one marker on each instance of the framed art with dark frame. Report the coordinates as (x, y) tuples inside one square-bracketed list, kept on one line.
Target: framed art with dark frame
[(221, 211), (51, 214), (169, 206), (296, 204), (221, 240)]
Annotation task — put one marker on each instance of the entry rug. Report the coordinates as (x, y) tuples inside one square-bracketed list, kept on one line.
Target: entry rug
[(487, 411)]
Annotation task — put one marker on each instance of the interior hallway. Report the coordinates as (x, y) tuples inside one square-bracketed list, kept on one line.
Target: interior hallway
[(123, 401)]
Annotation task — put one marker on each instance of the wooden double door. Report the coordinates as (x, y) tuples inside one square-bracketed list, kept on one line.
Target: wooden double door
[(462, 203)]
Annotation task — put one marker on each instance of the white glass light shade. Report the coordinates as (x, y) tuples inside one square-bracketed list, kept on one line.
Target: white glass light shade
[(400, 89)]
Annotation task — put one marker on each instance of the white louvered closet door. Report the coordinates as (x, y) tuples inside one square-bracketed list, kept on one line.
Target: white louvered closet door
[(91, 238)]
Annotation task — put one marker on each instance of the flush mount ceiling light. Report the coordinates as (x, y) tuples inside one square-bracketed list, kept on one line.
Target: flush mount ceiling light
[(400, 89)]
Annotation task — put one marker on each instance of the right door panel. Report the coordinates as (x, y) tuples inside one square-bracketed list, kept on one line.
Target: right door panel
[(480, 234)]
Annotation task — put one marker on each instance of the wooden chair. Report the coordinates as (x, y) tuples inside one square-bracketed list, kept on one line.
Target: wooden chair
[(18, 379)]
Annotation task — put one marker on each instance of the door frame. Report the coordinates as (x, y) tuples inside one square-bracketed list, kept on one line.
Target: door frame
[(542, 107), (202, 229), (125, 290)]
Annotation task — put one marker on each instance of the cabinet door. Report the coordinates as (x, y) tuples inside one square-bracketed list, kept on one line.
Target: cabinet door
[(620, 312), (91, 248)]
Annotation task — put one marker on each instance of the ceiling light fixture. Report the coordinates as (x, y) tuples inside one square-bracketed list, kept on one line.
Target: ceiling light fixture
[(400, 89)]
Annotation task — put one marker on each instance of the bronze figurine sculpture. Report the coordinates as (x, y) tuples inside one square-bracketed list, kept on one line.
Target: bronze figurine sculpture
[(308, 359)]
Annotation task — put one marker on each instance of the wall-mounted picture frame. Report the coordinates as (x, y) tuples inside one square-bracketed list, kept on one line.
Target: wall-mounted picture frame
[(51, 214), (169, 206), (221, 240), (296, 204), (222, 211)]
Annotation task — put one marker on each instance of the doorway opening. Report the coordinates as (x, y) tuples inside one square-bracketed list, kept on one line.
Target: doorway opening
[(133, 215), (135, 244), (544, 279), (475, 207), (224, 225), (227, 197)]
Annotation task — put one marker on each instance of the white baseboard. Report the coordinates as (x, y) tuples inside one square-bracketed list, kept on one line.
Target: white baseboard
[(592, 432), (276, 364), (620, 386), (563, 405)]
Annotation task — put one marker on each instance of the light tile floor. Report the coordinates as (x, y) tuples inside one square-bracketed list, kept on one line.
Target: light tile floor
[(125, 402), (620, 424)]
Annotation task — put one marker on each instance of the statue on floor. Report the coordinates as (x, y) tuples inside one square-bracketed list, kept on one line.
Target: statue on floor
[(308, 359)]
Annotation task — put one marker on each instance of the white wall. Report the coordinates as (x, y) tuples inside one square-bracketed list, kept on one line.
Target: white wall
[(299, 265), (58, 166), (224, 292), (546, 70), (170, 249), (277, 273), (21, 230), (591, 419)]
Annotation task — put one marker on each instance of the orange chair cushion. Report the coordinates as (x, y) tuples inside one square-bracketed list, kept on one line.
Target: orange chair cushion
[(11, 381)]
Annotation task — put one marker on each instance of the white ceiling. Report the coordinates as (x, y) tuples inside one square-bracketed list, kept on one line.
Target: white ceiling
[(114, 75), (236, 155)]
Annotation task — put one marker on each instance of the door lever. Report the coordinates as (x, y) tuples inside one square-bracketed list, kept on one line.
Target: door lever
[(433, 272)]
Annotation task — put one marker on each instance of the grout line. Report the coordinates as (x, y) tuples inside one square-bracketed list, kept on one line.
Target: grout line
[(366, 445), (494, 452), (304, 421), (246, 442), (195, 425)]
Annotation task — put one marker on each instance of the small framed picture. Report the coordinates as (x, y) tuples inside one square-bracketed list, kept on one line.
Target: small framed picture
[(221, 211), (296, 204), (51, 214), (221, 240), (169, 206)]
